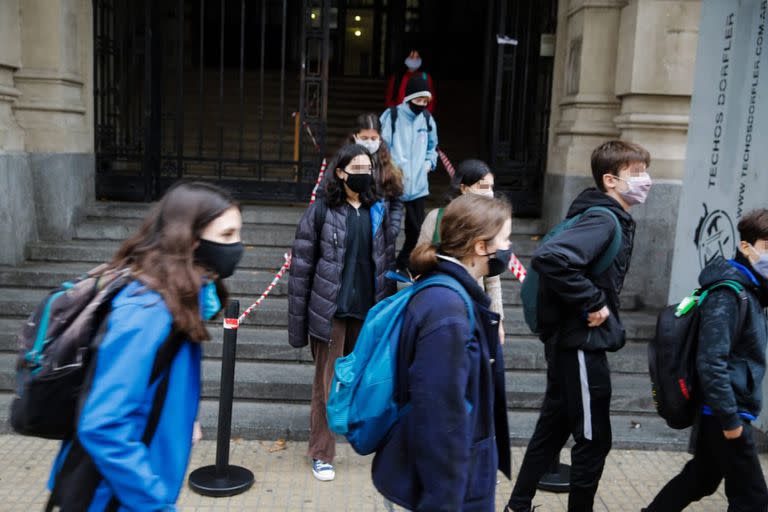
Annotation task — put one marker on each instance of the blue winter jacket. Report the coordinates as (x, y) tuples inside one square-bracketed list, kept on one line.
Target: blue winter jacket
[(413, 147), (444, 453), (115, 412)]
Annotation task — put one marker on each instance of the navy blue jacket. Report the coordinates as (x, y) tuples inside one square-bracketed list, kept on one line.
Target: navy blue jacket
[(731, 365), (444, 452), (116, 410)]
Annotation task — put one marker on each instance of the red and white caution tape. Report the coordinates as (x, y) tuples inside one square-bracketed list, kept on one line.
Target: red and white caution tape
[(313, 197), (517, 268), (309, 132), (278, 276), (446, 163)]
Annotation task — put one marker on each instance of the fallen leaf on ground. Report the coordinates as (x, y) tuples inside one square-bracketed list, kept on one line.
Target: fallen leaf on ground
[(279, 445)]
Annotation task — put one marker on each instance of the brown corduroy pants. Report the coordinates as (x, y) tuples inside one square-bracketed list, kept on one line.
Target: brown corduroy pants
[(344, 332)]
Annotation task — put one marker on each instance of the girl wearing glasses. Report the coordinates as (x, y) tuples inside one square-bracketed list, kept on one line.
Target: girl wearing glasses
[(340, 257)]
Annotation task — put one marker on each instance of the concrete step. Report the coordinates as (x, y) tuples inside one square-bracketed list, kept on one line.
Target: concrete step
[(97, 252), (262, 214), (15, 301), (269, 420), (246, 281), (290, 421), (293, 382), (270, 344)]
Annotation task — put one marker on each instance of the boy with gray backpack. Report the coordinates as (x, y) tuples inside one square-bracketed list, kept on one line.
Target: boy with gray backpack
[(571, 300)]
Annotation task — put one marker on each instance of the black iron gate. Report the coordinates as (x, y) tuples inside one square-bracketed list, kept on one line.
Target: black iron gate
[(518, 83), (231, 91)]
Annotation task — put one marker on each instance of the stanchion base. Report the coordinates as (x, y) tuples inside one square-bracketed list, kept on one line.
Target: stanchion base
[(557, 482), (234, 480)]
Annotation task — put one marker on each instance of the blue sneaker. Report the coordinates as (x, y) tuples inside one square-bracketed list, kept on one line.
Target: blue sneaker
[(323, 471)]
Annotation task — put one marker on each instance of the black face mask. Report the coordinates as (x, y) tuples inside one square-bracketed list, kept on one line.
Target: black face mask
[(416, 109), (359, 182), (221, 258), (498, 262)]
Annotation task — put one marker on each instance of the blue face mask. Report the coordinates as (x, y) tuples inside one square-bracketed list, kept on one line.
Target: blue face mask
[(209, 301)]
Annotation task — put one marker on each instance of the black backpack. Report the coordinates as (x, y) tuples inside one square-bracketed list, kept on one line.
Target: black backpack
[(672, 355)]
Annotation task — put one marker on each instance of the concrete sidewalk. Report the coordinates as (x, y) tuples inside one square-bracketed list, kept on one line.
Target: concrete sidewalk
[(284, 481)]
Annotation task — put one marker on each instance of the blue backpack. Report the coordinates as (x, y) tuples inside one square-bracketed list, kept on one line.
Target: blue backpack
[(529, 292), (362, 404)]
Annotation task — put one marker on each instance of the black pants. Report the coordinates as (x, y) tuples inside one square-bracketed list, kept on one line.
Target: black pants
[(715, 458), (414, 218), (577, 402)]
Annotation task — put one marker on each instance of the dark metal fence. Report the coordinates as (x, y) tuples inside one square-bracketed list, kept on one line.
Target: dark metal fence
[(218, 90)]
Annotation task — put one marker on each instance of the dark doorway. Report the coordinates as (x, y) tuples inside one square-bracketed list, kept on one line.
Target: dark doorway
[(220, 90)]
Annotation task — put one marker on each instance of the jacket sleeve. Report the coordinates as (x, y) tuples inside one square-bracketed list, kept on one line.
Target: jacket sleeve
[(440, 430), (395, 218), (386, 127), (306, 250), (562, 262), (719, 321), (108, 427), (427, 228), (493, 289), (431, 156)]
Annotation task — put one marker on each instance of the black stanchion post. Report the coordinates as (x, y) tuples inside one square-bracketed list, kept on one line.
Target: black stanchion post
[(222, 479), (557, 478)]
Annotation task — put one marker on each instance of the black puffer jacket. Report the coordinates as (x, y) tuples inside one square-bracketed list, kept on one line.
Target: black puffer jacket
[(731, 365), (316, 268), (569, 293)]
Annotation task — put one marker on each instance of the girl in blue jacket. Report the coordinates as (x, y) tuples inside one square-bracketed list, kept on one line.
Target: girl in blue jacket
[(443, 453), (134, 432)]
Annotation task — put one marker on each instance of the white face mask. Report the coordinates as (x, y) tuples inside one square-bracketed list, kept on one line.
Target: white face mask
[(761, 265), (413, 64), (638, 188), (371, 145)]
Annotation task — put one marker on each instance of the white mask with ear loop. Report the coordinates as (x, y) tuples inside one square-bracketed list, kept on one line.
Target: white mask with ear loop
[(761, 265)]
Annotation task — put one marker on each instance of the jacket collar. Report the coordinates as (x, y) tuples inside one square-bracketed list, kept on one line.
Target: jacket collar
[(459, 272)]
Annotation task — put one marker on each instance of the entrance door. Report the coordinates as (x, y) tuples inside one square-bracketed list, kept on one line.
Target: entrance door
[(228, 91), (519, 84)]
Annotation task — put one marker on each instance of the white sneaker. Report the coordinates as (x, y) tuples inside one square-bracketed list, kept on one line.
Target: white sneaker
[(323, 471)]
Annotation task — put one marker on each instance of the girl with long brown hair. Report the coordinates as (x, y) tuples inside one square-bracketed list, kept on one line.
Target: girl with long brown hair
[(141, 395)]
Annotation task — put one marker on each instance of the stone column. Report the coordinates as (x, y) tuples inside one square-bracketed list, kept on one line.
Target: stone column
[(17, 213), (654, 81), (56, 37), (583, 97)]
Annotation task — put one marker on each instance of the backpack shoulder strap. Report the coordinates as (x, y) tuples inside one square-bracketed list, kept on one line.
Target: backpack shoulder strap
[(610, 253), (741, 295), (438, 220), (428, 119), (393, 122)]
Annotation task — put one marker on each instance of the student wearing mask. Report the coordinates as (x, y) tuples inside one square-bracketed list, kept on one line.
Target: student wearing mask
[(388, 177), (188, 243), (340, 257), (411, 134), (472, 177), (579, 320), (731, 367), (398, 82), (443, 454)]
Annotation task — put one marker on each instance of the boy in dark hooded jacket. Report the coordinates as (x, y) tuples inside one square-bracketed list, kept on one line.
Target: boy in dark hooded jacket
[(580, 322), (731, 367)]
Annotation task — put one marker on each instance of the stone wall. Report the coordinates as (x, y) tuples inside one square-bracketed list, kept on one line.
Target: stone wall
[(624, 69), (46, 121)]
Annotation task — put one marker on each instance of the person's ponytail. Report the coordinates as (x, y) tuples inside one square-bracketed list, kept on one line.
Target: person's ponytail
[(424, 258)]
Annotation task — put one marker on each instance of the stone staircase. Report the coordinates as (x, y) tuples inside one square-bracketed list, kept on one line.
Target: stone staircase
[(273, 380)]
